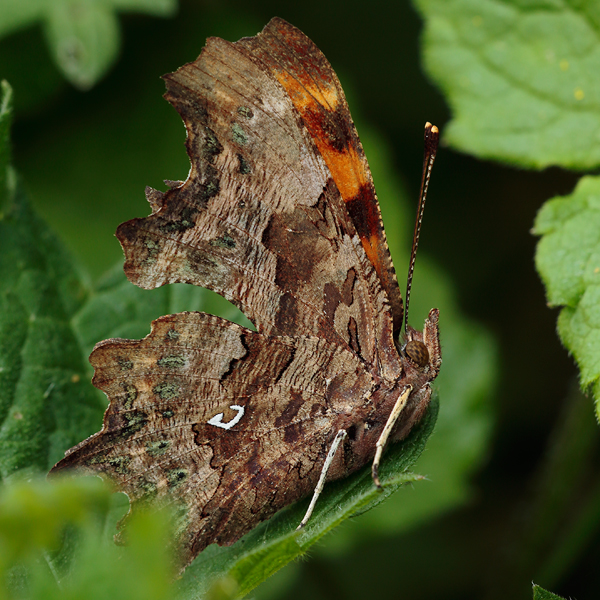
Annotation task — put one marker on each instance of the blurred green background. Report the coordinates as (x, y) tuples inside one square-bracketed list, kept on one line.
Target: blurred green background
[(87, 151)]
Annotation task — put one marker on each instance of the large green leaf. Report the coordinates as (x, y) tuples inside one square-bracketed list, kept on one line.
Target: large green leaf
[(520, 78), (6, 173), (568, 260), (46, 405)]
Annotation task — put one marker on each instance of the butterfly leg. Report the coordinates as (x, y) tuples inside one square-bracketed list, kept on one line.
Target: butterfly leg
[(341, 434), (385, 434)]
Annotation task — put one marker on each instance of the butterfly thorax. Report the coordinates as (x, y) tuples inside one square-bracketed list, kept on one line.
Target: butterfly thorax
[(365, 424)]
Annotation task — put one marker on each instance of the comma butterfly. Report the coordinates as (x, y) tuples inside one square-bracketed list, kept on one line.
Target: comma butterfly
[(278, 215)]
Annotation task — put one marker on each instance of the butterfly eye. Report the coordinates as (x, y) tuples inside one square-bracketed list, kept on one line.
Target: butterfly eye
[(417, 352)]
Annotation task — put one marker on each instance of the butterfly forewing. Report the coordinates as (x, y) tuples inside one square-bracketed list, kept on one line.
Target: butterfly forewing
[(260, 218), (315, 91)]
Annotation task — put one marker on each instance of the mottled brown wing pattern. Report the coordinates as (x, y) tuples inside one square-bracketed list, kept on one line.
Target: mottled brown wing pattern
[(164, 441), (279, 215), (260, 218), (314, 89)]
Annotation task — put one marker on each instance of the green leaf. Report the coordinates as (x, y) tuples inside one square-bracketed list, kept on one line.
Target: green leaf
[(542, 594), (520, 78), (45, 404), (276, 542), (6, 175), (568, 261), (116, 308), (17, 14), (38, 518), (84, 39), (83, 35), (33, 514), (160, 8)]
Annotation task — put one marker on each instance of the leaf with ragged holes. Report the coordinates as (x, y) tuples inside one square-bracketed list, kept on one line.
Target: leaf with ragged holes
[(520, 78), (568, 260)]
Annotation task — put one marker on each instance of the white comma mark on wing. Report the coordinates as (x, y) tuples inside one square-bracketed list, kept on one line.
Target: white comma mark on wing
[(217, 420)]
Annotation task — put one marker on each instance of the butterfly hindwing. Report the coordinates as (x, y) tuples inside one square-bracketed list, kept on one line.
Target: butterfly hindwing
[(227, 423)]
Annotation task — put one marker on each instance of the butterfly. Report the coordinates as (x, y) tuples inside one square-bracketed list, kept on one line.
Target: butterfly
[(279, 215)]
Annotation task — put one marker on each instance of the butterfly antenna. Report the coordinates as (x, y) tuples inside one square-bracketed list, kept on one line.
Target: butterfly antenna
[(432, 135)]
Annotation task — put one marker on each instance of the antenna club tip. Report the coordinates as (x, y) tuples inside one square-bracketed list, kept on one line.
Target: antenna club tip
[(432, 136), (431, 130)]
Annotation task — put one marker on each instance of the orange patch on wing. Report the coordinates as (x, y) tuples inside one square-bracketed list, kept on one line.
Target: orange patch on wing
[(345, 169), (304, 91), (344, 163), (318, 105)]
